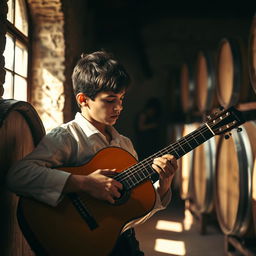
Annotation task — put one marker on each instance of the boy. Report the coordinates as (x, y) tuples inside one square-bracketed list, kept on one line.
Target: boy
[(100, 83)]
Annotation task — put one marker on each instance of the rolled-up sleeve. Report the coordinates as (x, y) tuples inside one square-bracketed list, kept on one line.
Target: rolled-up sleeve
[(37, 175), (160, 204)]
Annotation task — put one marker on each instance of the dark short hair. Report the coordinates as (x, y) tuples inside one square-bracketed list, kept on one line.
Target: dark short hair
[(97, 72)]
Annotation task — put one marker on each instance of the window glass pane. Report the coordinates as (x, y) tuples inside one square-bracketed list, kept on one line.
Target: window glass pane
[(9, 52), (21, 59), (8, 86), (21, 17), (10, 11), (20, 89)]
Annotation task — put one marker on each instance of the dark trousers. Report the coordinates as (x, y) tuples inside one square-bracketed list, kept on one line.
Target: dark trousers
[(127, 245)]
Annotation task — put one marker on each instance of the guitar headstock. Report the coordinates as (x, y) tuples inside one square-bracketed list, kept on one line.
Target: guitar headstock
[(225, 120)]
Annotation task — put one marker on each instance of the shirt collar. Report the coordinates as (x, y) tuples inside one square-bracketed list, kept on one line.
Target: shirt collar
[(90, 129)]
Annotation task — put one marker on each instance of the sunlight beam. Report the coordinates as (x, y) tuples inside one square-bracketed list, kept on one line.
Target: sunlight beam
[(169, 226), (170, 247), (188, 220)]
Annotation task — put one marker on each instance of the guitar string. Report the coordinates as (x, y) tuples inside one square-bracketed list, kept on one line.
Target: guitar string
[(171, 146), (137, 168), (183, 141), (193, 135), (145, 165)]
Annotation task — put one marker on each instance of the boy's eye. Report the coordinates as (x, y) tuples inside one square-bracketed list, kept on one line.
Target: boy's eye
[(114, 100)]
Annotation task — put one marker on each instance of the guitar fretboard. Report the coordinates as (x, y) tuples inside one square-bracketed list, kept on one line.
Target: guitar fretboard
[(143, 170)]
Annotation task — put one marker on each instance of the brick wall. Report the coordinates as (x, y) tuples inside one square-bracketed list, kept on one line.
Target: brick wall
[(48, 51), (58, 38)]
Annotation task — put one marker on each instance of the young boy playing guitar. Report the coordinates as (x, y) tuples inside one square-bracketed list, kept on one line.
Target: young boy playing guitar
[(100, 83)]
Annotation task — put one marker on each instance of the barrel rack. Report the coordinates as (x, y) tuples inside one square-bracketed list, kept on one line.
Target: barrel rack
[(205, 219), (234, 245)]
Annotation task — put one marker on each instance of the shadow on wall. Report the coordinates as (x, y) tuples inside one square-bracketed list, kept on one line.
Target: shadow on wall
[(148, 126)]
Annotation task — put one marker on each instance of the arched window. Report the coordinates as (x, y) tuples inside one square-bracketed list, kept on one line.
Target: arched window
[(16, 51)]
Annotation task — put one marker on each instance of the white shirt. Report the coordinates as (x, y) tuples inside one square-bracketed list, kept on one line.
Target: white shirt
[(73, 144)]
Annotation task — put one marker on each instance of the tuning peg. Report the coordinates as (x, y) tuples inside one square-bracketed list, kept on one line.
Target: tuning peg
[(227, 136), (221, 108), (239, 129), (208, 118)]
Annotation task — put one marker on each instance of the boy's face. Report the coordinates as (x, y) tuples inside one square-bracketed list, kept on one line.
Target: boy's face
[(104, 109)]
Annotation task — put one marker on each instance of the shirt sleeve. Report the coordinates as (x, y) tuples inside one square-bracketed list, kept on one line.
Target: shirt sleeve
[(160, 204), (37, 175)]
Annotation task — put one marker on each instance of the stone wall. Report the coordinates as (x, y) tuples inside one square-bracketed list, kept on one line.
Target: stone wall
[(58, 39), (48, 61)]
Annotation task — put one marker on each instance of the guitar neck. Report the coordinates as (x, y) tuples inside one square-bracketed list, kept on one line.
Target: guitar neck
[(143, 170)]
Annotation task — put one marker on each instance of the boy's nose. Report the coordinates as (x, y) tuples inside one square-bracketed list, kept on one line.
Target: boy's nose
[(118, 107)]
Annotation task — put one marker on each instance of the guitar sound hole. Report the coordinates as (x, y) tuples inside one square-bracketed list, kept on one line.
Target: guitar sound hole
[(123, 198)]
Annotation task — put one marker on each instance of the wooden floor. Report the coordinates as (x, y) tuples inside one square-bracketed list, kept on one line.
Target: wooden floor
[(174, 231)]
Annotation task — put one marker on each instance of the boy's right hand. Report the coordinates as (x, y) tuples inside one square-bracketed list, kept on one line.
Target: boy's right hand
[(98, 184)]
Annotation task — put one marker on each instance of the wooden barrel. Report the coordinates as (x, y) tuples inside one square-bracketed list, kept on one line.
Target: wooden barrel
[(203, 175), (186, 166), (233, 190), (252, 53), (233, 83), (187, 85), (205, 82), (254, 196), (20, 130)]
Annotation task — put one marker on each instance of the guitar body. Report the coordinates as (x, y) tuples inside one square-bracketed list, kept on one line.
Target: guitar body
[(61, 230), (83, 226)]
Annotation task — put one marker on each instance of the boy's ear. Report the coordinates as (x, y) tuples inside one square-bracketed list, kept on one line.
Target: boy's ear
[(81, 98)]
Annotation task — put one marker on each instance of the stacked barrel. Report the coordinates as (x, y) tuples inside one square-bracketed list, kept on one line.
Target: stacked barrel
[(20, 131), (218, 177)]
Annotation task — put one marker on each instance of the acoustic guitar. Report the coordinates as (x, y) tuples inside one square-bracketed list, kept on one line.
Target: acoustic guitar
[(83, 226)]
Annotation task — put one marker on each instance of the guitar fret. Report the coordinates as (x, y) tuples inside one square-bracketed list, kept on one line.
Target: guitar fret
[(143, 173), (187, 147), (188, 143), (133, 178), (178, 155), (181, 146), (195, 140), (202, 135), (125, 182), (138, 176), (143, 170), (130, 182)]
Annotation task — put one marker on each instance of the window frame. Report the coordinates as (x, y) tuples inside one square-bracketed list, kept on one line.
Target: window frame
[(17, 35)]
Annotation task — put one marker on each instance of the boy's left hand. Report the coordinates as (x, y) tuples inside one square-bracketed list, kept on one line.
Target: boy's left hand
[(166, 167)]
